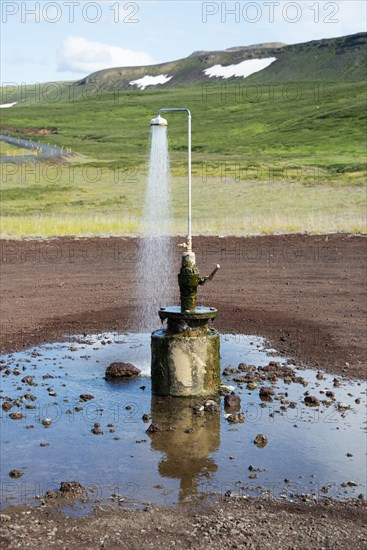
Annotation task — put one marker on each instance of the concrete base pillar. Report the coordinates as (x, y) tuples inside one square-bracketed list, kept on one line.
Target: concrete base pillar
[(185, 365)]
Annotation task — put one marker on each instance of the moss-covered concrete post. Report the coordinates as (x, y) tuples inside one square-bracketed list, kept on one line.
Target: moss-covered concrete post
[(186, 354)]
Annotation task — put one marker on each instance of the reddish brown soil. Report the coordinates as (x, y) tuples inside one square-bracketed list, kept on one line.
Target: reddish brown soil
[(306, 294)]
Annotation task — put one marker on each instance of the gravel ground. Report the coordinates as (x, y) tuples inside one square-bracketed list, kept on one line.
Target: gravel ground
[(230, 523)]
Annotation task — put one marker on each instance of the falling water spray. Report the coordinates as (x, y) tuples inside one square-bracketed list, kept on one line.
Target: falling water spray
[(156, 280)]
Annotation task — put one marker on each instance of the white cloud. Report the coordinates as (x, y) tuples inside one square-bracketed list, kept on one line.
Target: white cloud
[(147, 80), (78, 54), (245, 68)]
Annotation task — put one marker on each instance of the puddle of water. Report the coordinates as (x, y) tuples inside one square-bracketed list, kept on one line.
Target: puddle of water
[(313, 450)]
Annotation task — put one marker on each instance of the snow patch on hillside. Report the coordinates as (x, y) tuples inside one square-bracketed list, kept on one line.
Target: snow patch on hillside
[(7, 105), (147, 80), (245, 68)]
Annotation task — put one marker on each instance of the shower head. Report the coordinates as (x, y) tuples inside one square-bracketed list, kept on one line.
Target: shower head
[(158, 121)]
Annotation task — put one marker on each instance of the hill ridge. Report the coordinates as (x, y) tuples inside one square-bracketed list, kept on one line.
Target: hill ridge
[(340, 58)]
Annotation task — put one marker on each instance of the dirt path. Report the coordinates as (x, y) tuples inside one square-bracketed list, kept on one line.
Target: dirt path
[(306, 294)]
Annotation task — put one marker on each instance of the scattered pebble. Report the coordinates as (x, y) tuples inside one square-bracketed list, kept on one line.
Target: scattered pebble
[(16, 415), (261, 440), (96, 430), (312, 400), (86, 396), (16, 473), (154, 428), (47, 422)]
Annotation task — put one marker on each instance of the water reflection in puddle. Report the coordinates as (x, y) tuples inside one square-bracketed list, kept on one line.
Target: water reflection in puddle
[(314, 450)]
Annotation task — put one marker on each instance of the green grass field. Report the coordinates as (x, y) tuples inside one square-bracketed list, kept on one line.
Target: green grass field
[(263, 163)]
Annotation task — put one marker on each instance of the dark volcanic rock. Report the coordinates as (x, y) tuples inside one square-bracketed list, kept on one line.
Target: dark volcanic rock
[(242, 367), (252, 384), (236, 418), (211, 406), (229, 370), (240, 379), (266, 392), (16, 473), (118, 371), (96, 430), (312, 400), (86, 396), (232, 400), (261, 440), (28, 380), (71, 487), (153, 428), (16, 416), (68, 489), (269, 368)]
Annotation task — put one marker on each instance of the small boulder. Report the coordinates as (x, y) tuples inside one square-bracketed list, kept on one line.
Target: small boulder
[(312, 400), (268, 368), (229, 370), (16, 416), (231, 400), (242, 367), (68, 489), (252, 385), (153, 428), (235, 418), (266, 392), (71, 487), (261, 440), (86, 396), (15, 473), (6, 406), (28, 380), (47, 422), (211, 406), (96, 430), (118, 371)]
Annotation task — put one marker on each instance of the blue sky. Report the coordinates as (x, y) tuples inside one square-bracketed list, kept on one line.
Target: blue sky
[(66, 39)]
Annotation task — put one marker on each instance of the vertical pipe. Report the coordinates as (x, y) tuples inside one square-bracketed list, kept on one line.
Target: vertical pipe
[(189, 239)]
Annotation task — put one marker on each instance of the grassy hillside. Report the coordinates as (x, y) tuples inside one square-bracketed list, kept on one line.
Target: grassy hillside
[(267, 156), (306, 123)]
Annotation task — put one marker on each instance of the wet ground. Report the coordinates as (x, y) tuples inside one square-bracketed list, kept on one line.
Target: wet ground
[(304, 293), (51, 434)]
